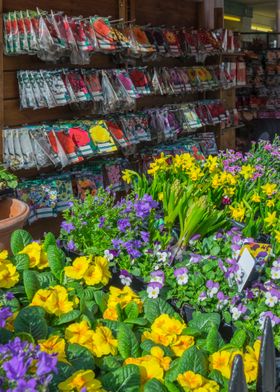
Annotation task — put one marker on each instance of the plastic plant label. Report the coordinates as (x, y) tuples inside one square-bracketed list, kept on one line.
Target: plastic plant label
[(247, 265)]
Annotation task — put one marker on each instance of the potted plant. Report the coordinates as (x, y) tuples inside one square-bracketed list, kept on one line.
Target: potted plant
[(13, 212)]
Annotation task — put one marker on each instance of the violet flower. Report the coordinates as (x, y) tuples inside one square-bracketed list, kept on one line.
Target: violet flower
[(181, 275), (157, 276), (5, 313), (153, 289), (68, 227), (123, 225), (71, 246), (213, 288), (125, 277)]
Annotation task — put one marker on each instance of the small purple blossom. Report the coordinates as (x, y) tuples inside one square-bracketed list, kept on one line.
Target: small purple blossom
[(71, 246), (153, 289), (157, 276), (125, 278), (46, 363), (202, 296), (9, 296), (145, 235), (5, 313), (68, 227), (194, 258), (123, 225), (213, 288), (181, 275), (101, 222), (134, 253)]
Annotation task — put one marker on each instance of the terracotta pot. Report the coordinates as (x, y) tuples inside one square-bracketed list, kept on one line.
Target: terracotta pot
[(13, 215)]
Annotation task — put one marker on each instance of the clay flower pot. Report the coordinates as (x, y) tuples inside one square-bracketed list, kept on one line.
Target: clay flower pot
[(13, 215)]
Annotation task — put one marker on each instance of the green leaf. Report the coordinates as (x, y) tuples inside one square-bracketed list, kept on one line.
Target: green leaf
[(153, 308), (49, 240), (31, 320), (89, 293), (68, 317), (31, 283), (25, 336), (131, 310), (212, 340), (154, 385), (192, 332), (80, 357), (19, 240), (64, 371), (171, 387), (110, 362), (195, 360), (215, 375), (101, 299), (172, 374), (5, 335), (125, 379), (46, 279), (204, 321), (127, 343), (239, 338), (136, 321), (21, 262), (56, 259)]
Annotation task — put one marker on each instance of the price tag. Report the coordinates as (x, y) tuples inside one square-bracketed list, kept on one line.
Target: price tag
[(247, 265)]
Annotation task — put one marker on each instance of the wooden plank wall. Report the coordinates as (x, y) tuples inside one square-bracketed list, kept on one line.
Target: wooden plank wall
[(158, 12)]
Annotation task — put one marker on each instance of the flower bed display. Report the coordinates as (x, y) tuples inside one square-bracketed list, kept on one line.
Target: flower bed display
[(150, 292)]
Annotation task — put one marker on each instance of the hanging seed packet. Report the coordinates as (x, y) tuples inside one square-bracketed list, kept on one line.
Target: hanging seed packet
[(44, 89), (126, 81), (57, 148), (78, 86), (140, 80), (40, 98), (101, 137), (92, 81), (110, 102), (8, 35), (23, 41), (127, 124), (104, 34), (33, 46), (64, 192), (117, 133), (26, 94), (85, 185), (10, 160), (57, 87), (44, 154), (113, 172), (68, 144), (26, 148)]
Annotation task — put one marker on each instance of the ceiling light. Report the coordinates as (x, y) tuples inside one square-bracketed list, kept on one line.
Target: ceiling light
[(264, 29), (232, 18)]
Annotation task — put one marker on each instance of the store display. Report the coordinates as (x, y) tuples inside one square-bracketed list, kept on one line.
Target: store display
[(115, 89), (54, 35)]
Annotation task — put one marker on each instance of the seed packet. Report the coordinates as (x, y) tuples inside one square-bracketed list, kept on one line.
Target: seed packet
[(117, 133), (43, 153), (8, 35), (57, 87), (82, 140), (140, 80), (92, 81), (101, 137), (126, 81), (64, 192)]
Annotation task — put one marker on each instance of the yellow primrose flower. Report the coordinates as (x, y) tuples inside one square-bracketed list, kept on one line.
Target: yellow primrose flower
[(209, 386), (32, 250), (54, 300), (3, 255), (238, 213), (271, 219), (110, 314), (9, 276), (156, 338), (270, 203), (54, 345), (168, 326), (149, 368), (247, 171), (104, 342), (77, 333), (123, 297), (127, 176), (269, 189), (98, 272), (182, 344), (256, 198), (255, 351), (37, 258), (250, 368), (221, 361), (190, 380), (158, 353), (78, 268), (81, 380)]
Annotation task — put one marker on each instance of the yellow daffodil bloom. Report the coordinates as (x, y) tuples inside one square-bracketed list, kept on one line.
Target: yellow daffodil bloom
[(271, 219), (9, 276), (247, 171), (221, 361), (277, 235), (182, 344), (212, 163), (256, 198), (127, 176), (195, 173), (78, 268), (270, 203), (190, 380), (81, 380), (229, 191), (238, 213), (54, 345), (216, 181), (269, 189), (77, 333)]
